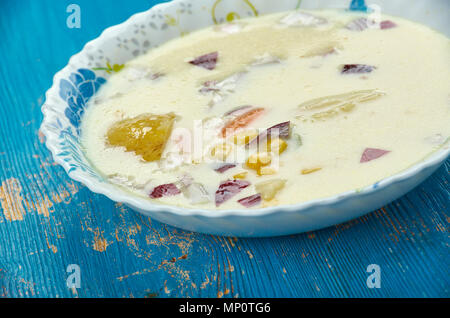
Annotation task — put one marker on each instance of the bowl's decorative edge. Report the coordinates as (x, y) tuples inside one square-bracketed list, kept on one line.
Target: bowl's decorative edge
[(91, 180)]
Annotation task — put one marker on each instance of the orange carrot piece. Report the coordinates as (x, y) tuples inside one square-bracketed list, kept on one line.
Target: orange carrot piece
[(241, 121)]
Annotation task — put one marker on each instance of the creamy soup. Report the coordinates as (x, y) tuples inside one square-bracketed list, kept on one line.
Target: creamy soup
[(274, 110)]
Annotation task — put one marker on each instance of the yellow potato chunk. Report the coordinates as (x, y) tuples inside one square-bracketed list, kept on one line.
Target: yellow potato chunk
[(269, 189), (276, 145), (241, 175), (267, 171), (146, 135), (244, 137), (221, 151)]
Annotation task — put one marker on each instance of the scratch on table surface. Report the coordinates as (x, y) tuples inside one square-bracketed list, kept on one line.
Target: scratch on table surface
[(137, 273), (205, 283), (126, 232), (396, 233), (11, 200), (340, 228), (172, 260), (163, 248), (52, 247), (166, 290)]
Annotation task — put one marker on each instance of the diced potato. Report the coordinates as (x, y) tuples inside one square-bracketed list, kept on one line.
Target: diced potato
[(221, 151), (241, 175), (271, 203), (342, 99), (244, 137), (269, 189), (321, 50), (266, 171), (330, 106), (146, 135)]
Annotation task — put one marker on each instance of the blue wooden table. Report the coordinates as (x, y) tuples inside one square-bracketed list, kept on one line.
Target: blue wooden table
[(48, 221)]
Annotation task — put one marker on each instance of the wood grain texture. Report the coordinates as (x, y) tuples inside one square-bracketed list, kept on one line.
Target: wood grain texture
[(48, 221)]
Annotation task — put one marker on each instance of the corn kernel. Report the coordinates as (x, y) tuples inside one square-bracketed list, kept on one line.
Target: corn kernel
[(258, 160)]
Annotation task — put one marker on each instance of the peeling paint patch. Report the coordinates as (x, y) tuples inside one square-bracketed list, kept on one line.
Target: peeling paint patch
[(11, 200), (52, 247), (41, 137), (100, 243)]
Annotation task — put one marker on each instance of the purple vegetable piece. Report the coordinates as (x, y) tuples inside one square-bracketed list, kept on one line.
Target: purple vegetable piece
[(250, 201), (372, 153), (207, 61), (281, 130), (387, 24), (224, 168), (358, 25), (356, 68), (164, 190), (209, 86), (228, 189)]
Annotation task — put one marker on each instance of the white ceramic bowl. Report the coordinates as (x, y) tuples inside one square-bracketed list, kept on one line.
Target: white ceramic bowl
[(87, 70)]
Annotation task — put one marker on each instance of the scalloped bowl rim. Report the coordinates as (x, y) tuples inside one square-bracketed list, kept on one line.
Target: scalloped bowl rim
[(118, 195)]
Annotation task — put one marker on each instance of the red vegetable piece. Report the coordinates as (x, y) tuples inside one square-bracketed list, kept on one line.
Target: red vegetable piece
[(164, 190), (241, 121), (281, 130), (238, 111), (356, 68), (387, 24), (225, 167), (207, 61), (250, 201), (372, 153), (228, 189)]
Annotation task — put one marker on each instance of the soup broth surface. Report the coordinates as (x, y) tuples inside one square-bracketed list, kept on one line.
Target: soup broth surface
[(273, 110)]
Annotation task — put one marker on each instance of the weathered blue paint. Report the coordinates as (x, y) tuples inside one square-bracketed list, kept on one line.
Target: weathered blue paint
[(48, 222)]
